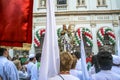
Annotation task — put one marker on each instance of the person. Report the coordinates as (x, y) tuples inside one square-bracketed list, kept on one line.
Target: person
[(8, 70), (32, 61), (105, 63), (35, 68), (23, 75), (66, 61)]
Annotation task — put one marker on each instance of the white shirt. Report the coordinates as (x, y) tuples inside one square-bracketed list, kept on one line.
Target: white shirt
[(8, 70), (65, 76), (116, 69), (23, 75), (105, 75)]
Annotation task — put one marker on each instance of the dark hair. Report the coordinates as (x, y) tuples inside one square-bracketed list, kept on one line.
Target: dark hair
[(77, 54), (2, 50), (31, 59), (95, 63), (105, 60), (38, 55)]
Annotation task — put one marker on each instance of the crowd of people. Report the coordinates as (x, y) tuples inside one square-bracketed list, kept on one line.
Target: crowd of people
[(103, 64), (15, 69)]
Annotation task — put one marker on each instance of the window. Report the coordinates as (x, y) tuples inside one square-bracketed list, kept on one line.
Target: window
[(62, 4), (81, 2), (59, 2), (42, 3), (101, 2)]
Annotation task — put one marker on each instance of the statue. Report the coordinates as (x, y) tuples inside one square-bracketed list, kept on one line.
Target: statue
[(67, 40), (64, 39), (64, 31)]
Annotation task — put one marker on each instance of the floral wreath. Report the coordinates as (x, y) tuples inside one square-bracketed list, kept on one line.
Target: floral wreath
[(88, 36), (37, 37), (101, 33)]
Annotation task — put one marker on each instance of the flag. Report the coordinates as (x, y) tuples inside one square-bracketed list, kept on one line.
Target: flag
[(50, 62), (15, 22), (118, 47), (85, 74)]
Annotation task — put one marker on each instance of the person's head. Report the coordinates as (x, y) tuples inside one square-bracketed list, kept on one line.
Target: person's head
[(38, 56), (77, 54), (105, 60), (17, 64), (71, 28), (32, 58), (4, 52), (74, 61), (66, 61)]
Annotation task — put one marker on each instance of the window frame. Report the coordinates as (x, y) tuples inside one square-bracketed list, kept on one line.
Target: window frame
[(101, 3), (40, 2)]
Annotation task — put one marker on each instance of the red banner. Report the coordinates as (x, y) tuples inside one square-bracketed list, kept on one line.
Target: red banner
[(15, 22)]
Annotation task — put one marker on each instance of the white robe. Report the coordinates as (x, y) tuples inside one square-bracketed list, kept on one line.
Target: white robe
[(8, 70), (105, 75)]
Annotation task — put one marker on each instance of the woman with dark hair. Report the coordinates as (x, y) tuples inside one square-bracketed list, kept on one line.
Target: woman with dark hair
[(105, 63)]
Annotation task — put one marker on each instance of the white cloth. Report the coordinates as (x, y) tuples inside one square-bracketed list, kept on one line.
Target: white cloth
[(105, 75), (50, 61), (65, 76), (76, 73), (8, 70)]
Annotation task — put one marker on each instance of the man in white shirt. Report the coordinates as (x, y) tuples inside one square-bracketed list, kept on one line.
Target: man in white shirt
[(31, 63), (8, 70)]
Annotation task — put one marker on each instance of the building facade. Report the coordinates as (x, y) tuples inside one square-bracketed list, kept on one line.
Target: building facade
[(100, 17)]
